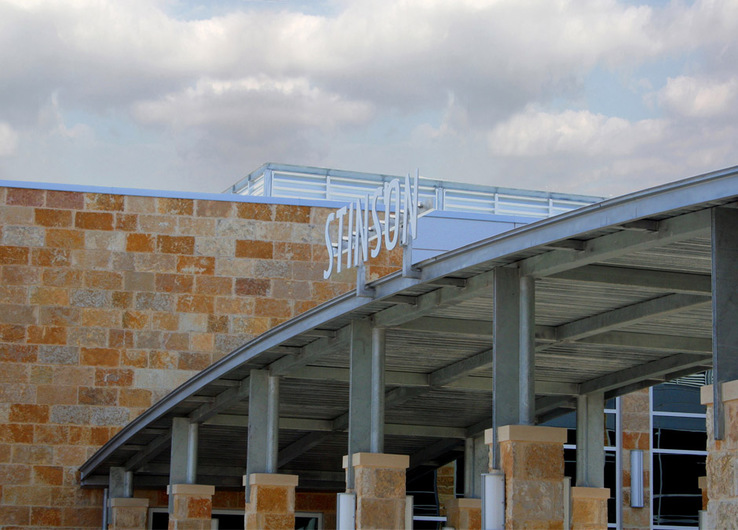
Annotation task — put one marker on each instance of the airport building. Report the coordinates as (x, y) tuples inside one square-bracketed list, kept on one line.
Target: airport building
[(318, 348)]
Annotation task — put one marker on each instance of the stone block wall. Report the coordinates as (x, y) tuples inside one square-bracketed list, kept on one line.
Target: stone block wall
[(722, 459), (635, 410), (108, 302)]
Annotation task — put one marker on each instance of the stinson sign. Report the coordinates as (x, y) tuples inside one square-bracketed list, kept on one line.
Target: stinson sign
[(364, 227)]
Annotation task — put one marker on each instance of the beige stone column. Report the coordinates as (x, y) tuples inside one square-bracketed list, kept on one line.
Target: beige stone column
[(589, 508), (128, 513), (722, 460), (636, 419), (464, 514), (191, 506), (702, 484), (379, 485), (445, 485), (272, 501), (532, 459)]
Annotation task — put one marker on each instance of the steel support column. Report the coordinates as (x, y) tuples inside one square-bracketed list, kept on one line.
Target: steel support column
[(590, 440), (476, 463), (183, 460), (724, 307), (263, 443), (377, 398), (121, 483), (527, 350), (508, 384), (360, 394)]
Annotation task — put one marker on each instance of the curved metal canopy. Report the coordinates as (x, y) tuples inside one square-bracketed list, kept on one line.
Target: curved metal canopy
[(623, 292)]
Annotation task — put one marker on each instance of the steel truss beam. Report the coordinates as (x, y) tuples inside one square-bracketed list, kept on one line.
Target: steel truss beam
[(673, 282), (618, 244)]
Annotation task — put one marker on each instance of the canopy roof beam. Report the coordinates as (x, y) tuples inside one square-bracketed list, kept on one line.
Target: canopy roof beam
[(618, 244)]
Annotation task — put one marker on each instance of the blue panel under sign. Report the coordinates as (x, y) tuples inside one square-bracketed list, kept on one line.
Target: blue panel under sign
[(438, 233)]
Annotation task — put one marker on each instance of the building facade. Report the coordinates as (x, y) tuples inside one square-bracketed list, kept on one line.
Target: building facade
[(110, 300)]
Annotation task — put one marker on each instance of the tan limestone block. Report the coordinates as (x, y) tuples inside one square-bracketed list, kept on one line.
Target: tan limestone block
[(534, 500), (730, 392), (273, 499), (380, 483), (191, 489), (380, 460), (272, 479), (464, 514), (527, 433), (721, 475), (272, 521), (380, 513), (589, 507)]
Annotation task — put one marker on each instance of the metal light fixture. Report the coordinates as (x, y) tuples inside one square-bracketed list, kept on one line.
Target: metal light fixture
[(346, 511), (636, 478), (493, 500)]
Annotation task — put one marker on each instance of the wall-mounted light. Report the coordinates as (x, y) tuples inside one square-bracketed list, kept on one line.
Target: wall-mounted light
[(346, 511), (493, 500), (636, 478)]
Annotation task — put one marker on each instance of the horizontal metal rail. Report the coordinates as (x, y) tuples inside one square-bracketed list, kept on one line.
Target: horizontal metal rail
[(298, 182)]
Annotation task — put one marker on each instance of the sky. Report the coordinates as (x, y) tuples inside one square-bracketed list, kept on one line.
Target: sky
[(597, 97)]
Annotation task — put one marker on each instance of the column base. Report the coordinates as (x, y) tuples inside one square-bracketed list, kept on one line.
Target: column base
[(464, 514), (191, 506), (589, 508), (271, 502), (128, 513), (532, 459), (379, 484)]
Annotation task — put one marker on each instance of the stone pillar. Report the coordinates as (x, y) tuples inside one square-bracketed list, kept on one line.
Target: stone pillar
[(191, 506), (722, 459), (532, 459), (379, 485), (635, 417), (445, 485), (128, 513), (702, 484), (271, 502), (589, 508), (464, 514)]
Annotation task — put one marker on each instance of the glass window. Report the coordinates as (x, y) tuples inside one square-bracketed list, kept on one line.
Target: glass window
[(677, 498)]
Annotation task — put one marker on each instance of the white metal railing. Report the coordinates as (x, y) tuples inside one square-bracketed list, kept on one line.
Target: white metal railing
[(301, 182)]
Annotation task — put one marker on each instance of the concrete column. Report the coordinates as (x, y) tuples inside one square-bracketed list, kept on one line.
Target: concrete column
[(532, 459), (380, 490), (263, 434), (635, 411), (591, 440), (271, 501), (128, 513), (722, 459), (464, 514), (191, 506)]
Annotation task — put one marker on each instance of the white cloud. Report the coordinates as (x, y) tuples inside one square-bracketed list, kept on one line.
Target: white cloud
[(539, 133), (490, 91), (261, 103), (700, 98), (8, 140)]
